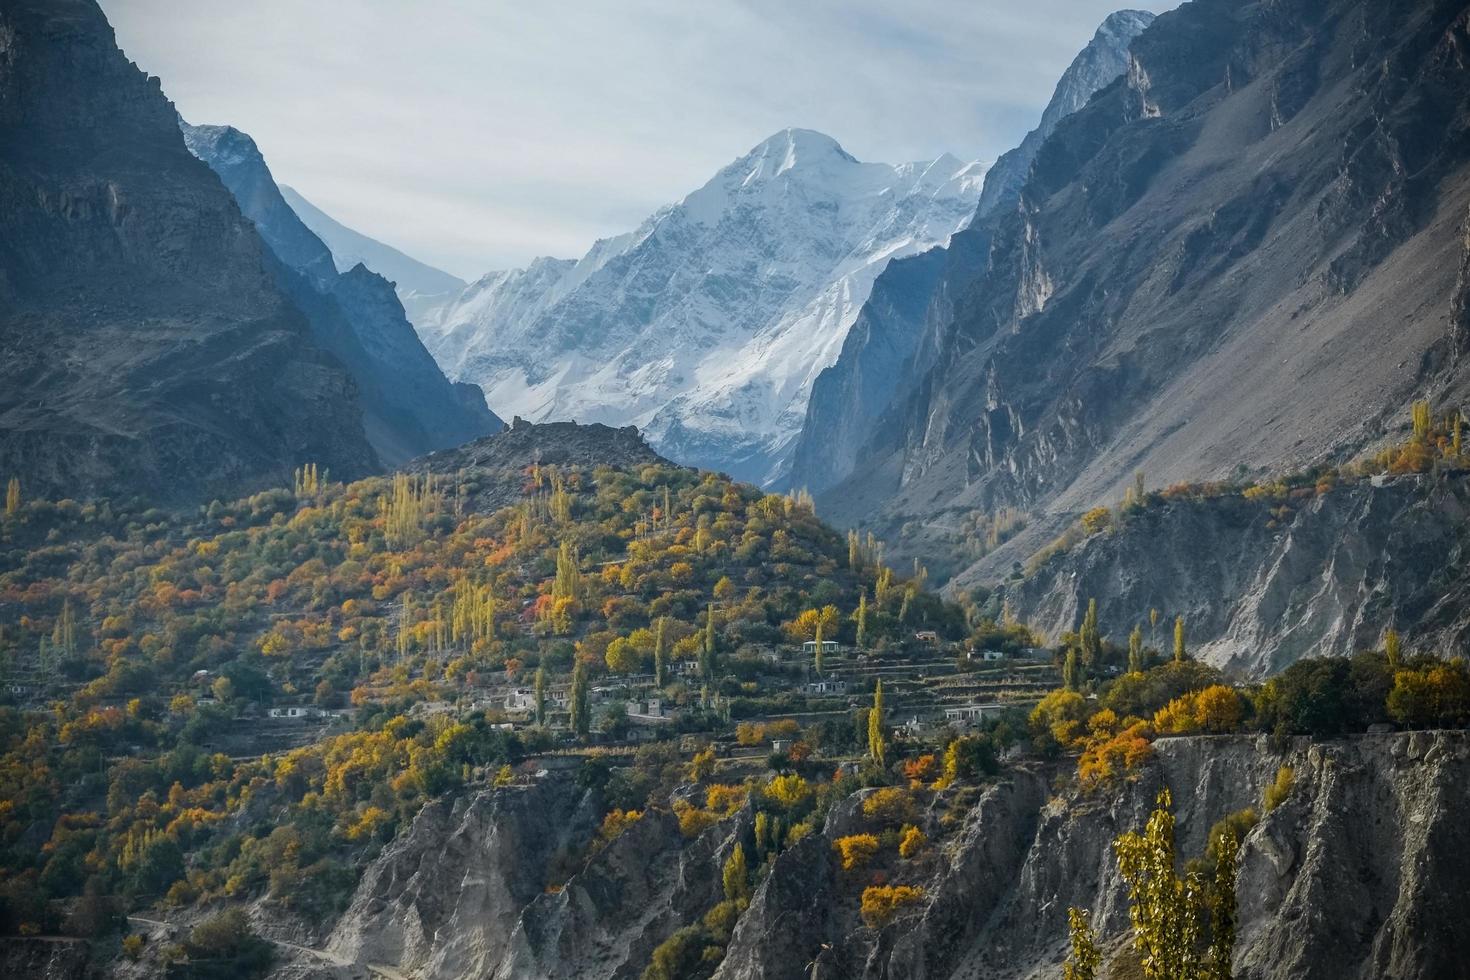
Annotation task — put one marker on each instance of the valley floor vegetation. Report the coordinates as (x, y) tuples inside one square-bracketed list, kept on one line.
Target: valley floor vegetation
[(679, 634)]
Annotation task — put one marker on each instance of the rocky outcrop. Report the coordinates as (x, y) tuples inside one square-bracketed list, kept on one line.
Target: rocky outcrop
[(146, 345), (1360, 873), (632, 895), (410, 408), (444, 898), (892, 342), (493, 469), (1243, 252), (1324, 574)]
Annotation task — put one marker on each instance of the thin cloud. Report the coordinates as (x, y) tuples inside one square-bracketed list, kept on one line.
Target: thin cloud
[(477, 135)]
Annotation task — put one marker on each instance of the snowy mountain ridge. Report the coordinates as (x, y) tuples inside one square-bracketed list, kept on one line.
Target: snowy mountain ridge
[(706, 325)]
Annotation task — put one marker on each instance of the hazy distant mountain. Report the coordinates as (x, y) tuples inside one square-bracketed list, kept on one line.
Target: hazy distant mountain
[(419, 286), (706, 325), (146, 346), (410, 408)]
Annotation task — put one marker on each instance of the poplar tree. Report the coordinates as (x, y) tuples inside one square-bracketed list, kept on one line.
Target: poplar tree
[(1089, 638), (1082, 964), (540, 695), (877, 751), (660, 656), (581, 708), (707, 652), (862, 620), (12, 496), (1071, 671), (1135, 650), (1391, 646), (817, 662), (736, 878), (1179, 650)]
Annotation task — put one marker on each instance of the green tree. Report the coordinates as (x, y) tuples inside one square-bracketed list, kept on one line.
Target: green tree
[(622, 657), (660, 653), (1391, 646), (877, 750), (707, 652), (1082, 964), (540, 695), (735, 877), (1179, 650), (1072, 671), (1089, 637), (1135, 650), (580, 704)]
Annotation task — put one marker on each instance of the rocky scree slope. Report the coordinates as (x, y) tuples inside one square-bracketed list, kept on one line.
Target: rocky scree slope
[(706, 325), (1326, 577), (147, 347), (1244, 251), (1362, 872), (410, 407), (913, 296)]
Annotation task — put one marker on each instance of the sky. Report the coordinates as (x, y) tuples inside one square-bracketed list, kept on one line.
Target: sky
[(478, 134)]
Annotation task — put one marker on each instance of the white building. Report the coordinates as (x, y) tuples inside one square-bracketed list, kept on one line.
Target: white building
[(810, 647)]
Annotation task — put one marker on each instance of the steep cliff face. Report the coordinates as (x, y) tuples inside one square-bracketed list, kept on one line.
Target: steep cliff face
[(893, 340), (1360, 873), (1325, 575), (443, 899), (1244, 251), (410, 407), (146, 346)]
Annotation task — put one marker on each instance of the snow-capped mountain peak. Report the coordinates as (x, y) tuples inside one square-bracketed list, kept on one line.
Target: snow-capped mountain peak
[(706, 325)]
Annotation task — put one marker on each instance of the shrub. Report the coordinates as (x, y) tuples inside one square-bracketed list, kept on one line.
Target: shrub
[(912, 842), (132, 946), (856, 850), (1280, 789), (882, 902), (889, 806)]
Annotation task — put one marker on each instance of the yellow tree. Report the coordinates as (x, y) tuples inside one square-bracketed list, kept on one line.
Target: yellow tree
[(12, 497), (877, 751)]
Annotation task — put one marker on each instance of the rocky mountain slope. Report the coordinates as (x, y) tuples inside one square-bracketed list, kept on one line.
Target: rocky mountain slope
[(409, 406), (464, 890), (913, 296), (1322, 575), (706, 325), (1272, 202), (147, 345), (419, 286)]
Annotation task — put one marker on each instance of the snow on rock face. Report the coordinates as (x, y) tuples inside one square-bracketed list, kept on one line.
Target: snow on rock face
[(707, 325)]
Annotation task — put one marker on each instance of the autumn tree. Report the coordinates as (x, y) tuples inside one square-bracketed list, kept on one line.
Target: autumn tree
[(862, 619), (1391, 647), (1179, 650), (735, 878), (876, 748), (1089, 638), (12, 496), (1135, 650), (1085, 957)]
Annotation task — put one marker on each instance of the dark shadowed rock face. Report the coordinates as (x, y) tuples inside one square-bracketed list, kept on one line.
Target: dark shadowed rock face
[(892, 341), (1245, 251), (410, 408), (146, 347)]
